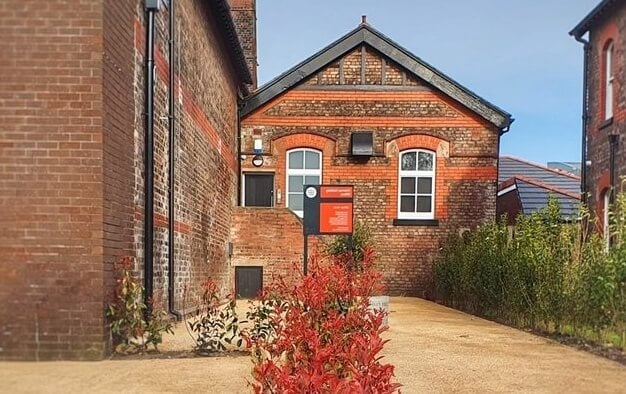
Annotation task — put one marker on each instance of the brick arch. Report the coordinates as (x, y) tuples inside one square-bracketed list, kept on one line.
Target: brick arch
[(304, 140), (417, 141)]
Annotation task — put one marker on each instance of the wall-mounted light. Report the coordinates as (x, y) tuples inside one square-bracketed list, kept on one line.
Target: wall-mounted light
[(257, 160)]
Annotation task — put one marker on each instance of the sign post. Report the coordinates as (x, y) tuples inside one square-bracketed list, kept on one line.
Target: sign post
[(328, 210)]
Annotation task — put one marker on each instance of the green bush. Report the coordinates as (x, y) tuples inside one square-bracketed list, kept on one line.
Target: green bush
[(550, 275), (341, 244)]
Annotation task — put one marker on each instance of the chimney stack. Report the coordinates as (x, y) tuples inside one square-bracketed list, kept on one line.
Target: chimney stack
[(364, 19), (244, 16)]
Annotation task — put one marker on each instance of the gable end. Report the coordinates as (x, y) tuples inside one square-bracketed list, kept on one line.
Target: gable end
[(366, 35)]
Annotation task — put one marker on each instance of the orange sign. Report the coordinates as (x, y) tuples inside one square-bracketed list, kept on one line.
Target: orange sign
[(336, 217), (336, 192)]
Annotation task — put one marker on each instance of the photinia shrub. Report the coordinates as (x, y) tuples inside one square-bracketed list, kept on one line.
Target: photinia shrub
[(127, 313), (215, 323), (318, 335)]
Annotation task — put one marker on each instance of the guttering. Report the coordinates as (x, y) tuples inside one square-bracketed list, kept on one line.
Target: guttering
[(151, 7), (507, 189), (171, 191), (585, 115)]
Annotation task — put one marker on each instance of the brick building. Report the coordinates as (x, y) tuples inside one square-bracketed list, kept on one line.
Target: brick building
[(72, 90), (526, 187), (603, 34), (420, 149), (76, 120)]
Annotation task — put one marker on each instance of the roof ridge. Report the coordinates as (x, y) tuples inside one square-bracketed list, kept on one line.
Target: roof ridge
[(546, 186), (559, 172)]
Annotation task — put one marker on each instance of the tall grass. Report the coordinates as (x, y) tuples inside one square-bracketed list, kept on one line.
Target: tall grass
[(549, 275)]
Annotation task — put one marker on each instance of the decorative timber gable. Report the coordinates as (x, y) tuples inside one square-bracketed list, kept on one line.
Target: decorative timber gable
[(364, 66)]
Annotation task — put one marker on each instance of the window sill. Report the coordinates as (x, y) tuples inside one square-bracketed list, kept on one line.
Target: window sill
[(606, 123), (416, 222)]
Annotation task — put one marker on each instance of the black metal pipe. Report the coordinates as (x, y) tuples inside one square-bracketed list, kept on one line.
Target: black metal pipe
[(171, 191), (613, 141), (240, 104), (148, 243), (583, 155)]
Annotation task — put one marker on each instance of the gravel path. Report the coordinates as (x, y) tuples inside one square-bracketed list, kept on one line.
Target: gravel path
[(435, 349)]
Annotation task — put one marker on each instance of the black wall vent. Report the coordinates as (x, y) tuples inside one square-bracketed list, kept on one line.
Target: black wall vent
[(362, 144)]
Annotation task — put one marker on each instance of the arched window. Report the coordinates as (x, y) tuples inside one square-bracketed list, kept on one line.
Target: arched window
[(304, 167), (606, 222), (608, 82), (416, 180)]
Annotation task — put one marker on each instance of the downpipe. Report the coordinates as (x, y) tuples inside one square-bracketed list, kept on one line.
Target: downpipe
[(585, 115), (171, 304), (151, 7)]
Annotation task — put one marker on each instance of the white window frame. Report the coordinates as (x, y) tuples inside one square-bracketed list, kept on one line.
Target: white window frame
[(300, 172), (608, 82), (417, 174)]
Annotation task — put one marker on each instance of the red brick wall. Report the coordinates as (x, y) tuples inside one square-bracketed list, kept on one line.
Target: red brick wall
[(118, 137), (268, 238), (612, 27), (206, 95), (71, 165), (316, 114), (510, 205), (51, 180)]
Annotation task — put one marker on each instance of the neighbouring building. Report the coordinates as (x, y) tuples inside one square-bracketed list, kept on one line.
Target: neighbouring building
[(420, 149), (603, 34), (72, 152), (525, 187), (572, 167)]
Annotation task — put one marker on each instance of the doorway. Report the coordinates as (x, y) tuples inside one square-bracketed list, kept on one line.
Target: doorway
[(258, 190), (248, 281)]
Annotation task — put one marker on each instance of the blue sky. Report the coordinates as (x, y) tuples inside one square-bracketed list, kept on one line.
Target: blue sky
[(516, 54)]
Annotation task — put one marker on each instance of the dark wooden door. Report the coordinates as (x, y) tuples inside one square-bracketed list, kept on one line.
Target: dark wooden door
[(248, 281), (259, 190)]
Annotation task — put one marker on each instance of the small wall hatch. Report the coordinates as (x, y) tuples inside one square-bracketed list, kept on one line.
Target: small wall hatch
[(362, 143)]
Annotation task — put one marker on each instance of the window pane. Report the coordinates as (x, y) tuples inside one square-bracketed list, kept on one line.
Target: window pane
[(312, 160), (407, 185), (295, 183), (296, 160), (407, 204), (295, 202), (408, 161), (425, 185), (312, 180), (425, 161), (423, 203)]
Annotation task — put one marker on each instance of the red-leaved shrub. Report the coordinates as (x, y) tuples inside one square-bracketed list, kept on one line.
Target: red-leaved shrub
[(319, 335)]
